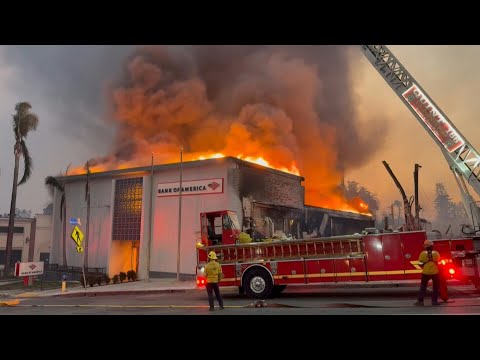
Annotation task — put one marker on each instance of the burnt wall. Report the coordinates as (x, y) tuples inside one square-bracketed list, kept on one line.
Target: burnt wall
[(271, 187), (323, 223)]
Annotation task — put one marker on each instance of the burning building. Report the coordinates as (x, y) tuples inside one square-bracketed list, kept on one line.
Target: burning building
[(135, 213)]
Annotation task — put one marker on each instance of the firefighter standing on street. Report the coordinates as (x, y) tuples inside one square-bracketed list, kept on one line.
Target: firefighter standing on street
[(428, 260), (213, 272)]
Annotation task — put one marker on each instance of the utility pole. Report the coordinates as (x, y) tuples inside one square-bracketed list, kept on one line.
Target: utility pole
[(417, 206), (150, 231), (179, 216)]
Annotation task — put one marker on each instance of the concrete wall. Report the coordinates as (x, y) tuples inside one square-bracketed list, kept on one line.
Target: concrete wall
[(21, 241), (166, 210), (271, 187), (100, 222), (43, 235)]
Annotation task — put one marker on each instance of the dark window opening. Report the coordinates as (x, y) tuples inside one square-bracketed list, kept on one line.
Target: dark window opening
[(16, 229), (45, 257), (127, 212), (16, 256)]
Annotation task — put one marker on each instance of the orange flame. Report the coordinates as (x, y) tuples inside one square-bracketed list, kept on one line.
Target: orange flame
[(256, 160), (315, 197)]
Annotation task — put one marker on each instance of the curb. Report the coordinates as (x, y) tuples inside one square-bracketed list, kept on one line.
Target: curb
[(124, 292)]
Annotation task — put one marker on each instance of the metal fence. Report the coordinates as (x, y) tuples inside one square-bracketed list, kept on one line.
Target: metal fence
[(73, 273)]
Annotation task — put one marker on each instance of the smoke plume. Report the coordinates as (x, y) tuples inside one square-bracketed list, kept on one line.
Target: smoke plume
[(291, 105)]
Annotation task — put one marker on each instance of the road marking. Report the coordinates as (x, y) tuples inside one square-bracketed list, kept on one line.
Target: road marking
[(131, 306), (27, 295), (9, 303)]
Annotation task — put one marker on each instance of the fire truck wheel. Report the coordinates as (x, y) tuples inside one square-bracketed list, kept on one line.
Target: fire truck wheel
[(277, 289), (257, 283)]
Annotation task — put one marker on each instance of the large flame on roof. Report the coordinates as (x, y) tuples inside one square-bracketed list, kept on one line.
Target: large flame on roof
[(287, 108)]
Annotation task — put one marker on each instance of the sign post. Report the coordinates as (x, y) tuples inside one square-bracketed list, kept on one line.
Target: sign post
[(77, 237)]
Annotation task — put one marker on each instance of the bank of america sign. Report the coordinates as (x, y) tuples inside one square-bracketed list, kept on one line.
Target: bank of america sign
[(193, 187)]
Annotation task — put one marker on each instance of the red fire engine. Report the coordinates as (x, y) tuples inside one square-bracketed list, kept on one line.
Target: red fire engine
[(263, 269)]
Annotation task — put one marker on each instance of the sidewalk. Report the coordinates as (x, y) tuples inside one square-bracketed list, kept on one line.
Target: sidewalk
[(155, 286), (126, 288)]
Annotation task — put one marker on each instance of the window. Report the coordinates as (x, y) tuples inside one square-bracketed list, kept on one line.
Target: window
[(45, 257), (16, 256), (127, 212), (16, 229)]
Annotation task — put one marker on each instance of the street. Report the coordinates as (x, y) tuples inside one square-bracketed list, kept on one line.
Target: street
[(301, 300)]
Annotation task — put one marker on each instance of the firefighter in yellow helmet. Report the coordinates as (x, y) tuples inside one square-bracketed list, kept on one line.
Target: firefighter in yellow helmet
[(214, 273), (428, 260)]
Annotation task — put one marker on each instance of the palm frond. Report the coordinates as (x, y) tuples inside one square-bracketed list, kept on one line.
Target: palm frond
[(24, 121), (68, 167), (28, 123), (22, 107), (53, 182), (28, 163)]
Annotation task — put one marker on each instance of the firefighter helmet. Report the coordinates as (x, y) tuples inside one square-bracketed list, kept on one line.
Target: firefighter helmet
[(212, 255), (427, 243)]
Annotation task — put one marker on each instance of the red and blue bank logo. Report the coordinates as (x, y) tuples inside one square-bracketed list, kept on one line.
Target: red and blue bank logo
[(213, 185)]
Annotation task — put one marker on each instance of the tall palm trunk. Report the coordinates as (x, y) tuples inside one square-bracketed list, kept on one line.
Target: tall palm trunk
[(64, 233), (87, 231), (11, 220)]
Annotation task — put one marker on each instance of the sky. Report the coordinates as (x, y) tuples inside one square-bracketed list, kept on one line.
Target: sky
[(69, 88)]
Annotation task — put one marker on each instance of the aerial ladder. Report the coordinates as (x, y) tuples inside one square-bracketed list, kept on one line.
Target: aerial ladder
[(463, 159)]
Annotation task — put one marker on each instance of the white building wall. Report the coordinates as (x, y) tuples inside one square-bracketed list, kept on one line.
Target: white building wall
[(19, 240), (166, 214), (100, 228), (43, 235), (56, 250), (145, 228)]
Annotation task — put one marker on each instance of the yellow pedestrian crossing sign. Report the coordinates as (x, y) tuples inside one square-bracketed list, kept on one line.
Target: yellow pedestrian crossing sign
[(79, 249), (77, 236)]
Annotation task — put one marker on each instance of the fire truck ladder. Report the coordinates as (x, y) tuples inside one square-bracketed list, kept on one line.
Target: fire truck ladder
[(464, 161), (338, 247)]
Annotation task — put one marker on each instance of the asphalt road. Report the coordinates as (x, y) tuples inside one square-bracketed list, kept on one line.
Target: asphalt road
[(464, 300)]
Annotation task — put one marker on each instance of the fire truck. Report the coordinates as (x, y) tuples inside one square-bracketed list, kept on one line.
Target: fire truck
[(263, 269)]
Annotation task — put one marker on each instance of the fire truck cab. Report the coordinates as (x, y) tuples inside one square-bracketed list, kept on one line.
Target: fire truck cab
[(219, 228)]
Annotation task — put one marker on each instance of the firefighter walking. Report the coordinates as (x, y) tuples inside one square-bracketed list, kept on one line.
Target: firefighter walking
[(213, 272), (428, 260)]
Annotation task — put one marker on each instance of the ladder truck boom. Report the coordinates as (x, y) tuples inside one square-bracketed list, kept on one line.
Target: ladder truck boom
[(463, 159)]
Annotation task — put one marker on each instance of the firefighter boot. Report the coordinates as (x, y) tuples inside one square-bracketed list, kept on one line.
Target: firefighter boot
[(211, 308)]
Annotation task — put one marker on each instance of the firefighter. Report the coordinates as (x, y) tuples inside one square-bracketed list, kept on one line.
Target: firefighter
[(428, 260), (213, 272)]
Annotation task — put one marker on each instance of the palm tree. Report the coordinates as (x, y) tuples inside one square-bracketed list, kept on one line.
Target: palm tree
[(87, 225), (23, 122), (55, 184)]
